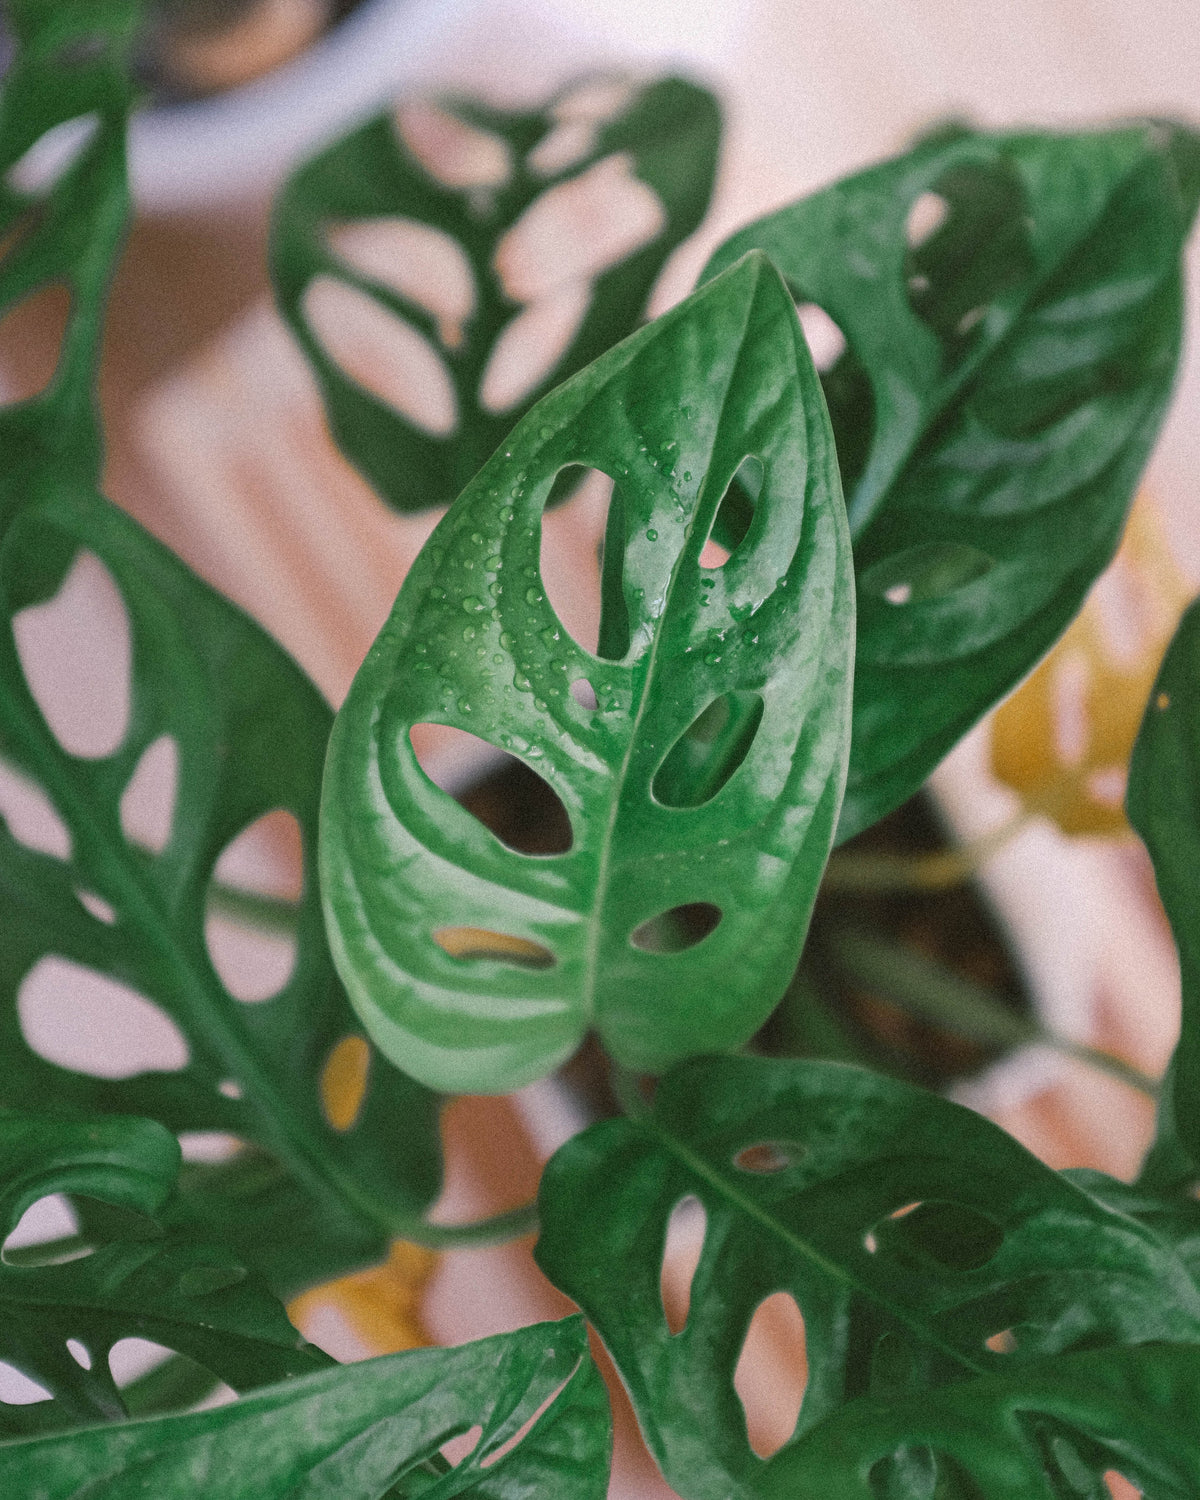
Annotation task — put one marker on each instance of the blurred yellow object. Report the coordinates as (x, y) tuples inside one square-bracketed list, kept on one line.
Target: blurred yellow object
[(382, 1305), (1063, 740), (344, 1081)]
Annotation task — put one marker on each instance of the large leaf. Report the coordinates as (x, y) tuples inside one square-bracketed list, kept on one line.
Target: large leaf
[(352, 1432), (1164, 807), (909, 1230), (186, 1295), (667, 133), (1003, 380), (1053, 1429), (707, 780), (249, 733)]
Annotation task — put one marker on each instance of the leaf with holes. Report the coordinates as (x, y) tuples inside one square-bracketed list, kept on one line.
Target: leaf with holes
[(1010, 307), (923, 1246), (1164, 807), (702, 788), (444, 268), (61, 1320), (1058, 1427), (124, 790), (535, 1396)]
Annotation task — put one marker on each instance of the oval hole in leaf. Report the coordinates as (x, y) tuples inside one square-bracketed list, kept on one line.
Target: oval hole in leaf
[(826, 341), (682, 1248), (83, 1020), (77, 657), (18, 1389), (208, 1145), (50, 1218), (530, 346), (130, 1357), (512, 802), (266, 858), (964, 256), (772, 1372), (578, 229), (148, 801), (383, 353), (455, 1449), (481, 942), (52, 155), (80, 1353), (584, 694), (418, 261), (766, 1158), (568, 559), (1003, 1342), (927, 571), (30, 815), (735, 512), (344, 1081), (563, 145), (31, 335), (452, 150), (709, 751), (1119, 1487), (97, 906), (679, 928), (954, 1235), (252, 964)]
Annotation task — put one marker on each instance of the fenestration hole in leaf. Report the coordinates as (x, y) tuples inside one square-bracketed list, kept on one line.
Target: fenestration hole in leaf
[(52, 155), (45, 1221), (826, 341), (584, 693), (130, 1357), (76, 655), (679, 928), (455, 1449), (512, 801), (19, 1389), (148, 801), (772, 1372), (483, 943), (451, 149), (709, 751), (1119, 1487), (569, 570), (930, 570), (927, 215), (955, 1235), (1003, 1342), (256, 882), (682, 1248), (383, 353), (530, 346), (735, 512), (81, 1019), (766, 1158), (31, 817), (31, 335), (417, 261)]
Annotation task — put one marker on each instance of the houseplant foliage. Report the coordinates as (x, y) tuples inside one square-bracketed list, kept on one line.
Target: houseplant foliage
[(976, 1324)]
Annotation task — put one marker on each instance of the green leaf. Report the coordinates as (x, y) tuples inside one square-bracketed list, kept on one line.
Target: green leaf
[(667, 133), (909, 1231), (1044, 1432), (670, 415), (1003, 381), (1164, 807), (187, 1295), (249, 734), (352, 1432)]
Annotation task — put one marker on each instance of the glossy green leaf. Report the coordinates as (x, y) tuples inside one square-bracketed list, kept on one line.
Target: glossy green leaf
[(909, 1231), (666, 135), (248, 732), (1054, 1429), (473, 643), (1164, 807), (181, 1293), (1011, 311), (354, 1431)]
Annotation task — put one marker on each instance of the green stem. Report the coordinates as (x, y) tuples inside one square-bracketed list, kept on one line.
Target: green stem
[(511, 1225), (272, 914), (925, 989), (875, 874)]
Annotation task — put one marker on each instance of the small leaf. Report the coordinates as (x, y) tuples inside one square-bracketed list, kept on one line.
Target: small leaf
[(191, 1297), (909, 1230), (365, 217), (1164, 808), (740, 833), (1009, 358), (353, 1431)]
